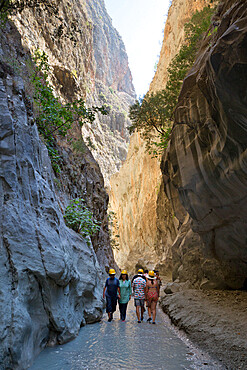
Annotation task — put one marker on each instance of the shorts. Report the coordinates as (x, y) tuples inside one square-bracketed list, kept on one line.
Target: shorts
[(111, 304), (139, 302)]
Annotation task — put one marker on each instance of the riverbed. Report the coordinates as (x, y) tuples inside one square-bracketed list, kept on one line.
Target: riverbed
[(126, 345)]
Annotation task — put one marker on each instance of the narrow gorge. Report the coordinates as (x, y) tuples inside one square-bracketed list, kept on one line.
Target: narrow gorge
[(51, 277), (181, 212), (186, 217)]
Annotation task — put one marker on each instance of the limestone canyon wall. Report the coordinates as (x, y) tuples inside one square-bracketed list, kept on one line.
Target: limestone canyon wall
[(205, 166), (88, 58), (50, 277), (51, 281), (66, 32), (147, 226)]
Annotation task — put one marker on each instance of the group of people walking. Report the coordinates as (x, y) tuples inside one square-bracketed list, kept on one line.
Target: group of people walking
[(146, 289)]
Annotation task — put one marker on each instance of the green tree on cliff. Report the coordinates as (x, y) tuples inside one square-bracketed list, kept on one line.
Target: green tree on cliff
[(52, 116), (153, 115)]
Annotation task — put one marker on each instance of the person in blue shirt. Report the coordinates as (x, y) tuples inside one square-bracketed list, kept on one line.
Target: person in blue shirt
[(125, 290), (111, 293)]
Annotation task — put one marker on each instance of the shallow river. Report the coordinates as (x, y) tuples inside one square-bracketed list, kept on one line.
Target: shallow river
[(125, 345)]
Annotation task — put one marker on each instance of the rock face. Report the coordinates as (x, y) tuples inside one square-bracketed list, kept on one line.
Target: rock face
[(88, 58), (65, 33), (113, 87), (179, 13), (132, 196), (50, 277), (147, 226), (211, 320), (205, 166), (199, 212)]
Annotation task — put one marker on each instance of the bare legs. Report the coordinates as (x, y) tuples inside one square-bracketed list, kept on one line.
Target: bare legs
[(152, 311), (138, 313), (142, 312), (149, 313)]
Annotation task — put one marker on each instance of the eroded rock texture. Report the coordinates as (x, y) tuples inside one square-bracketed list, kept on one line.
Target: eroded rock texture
[(88, 59), (51, 280), (49, 275), (147, 225), (205, 167)]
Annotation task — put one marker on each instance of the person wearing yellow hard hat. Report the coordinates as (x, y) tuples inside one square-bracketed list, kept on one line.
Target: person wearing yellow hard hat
[(125, 290), (139, 285), (111, 292), (152, 295), (140, 272)]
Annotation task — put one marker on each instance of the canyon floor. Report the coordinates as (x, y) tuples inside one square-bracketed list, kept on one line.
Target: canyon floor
[(126, 345), (216, 321)]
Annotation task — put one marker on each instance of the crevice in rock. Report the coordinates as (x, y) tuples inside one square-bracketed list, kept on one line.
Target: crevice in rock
[(39, 244), (14, 282), (52, 327)]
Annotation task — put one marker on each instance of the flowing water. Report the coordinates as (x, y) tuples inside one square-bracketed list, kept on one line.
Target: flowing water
[(125, 345)]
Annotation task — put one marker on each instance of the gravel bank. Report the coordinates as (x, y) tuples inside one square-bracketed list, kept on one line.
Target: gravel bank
[(216, 321)]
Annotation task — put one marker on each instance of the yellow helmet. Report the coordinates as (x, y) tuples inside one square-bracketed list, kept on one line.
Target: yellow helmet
[(151, 274), (112, 272), (140, 271), (124, 272)]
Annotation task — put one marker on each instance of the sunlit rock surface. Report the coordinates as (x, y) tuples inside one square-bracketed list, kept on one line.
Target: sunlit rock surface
[(179, 13), (65, 33), (133, 191), (51, 280), (147, 226), (205, 166), (88, 59)]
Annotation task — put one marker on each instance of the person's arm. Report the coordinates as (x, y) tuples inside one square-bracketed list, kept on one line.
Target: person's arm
[(105, 288), (158, 289), (119, 294), (146, 291), (130, 291), (118, 289)]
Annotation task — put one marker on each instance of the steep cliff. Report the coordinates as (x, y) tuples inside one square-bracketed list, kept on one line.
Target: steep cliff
[(65, 32), (204, 168), (199, 212), (88, 58), (113, 87), (143, 211), (50, 277)]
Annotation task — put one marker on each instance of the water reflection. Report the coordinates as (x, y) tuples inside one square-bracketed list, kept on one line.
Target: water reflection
[(125, 345)]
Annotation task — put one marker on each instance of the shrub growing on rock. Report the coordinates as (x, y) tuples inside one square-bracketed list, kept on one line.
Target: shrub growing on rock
[(54, 117), (79, 218)]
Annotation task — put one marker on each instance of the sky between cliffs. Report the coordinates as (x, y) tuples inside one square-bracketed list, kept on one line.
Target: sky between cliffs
[(140, 23)]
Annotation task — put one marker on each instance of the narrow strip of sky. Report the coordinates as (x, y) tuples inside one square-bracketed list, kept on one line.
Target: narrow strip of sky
[(141, 24)]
